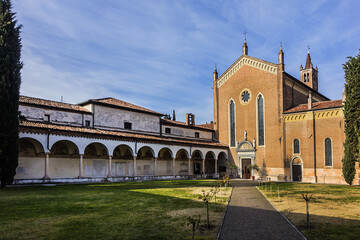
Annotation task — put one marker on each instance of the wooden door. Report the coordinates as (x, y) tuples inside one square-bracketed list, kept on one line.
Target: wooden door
[(246, 172)]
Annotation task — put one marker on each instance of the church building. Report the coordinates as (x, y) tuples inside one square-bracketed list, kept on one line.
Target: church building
[(285, 126)]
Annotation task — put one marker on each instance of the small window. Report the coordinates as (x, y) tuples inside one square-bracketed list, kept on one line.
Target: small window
[(197, 134), (168, 130), (328, 152), (127, 125), (87, 123), (296, 146), (47, 117)]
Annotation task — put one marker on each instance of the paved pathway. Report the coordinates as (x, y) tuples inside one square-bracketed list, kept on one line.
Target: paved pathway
[(251, 216)]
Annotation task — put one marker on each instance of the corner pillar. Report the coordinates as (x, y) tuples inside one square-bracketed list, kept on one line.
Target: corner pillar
[(203, 166)]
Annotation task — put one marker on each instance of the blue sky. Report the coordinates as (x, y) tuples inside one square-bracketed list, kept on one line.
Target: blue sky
[(160, 54)]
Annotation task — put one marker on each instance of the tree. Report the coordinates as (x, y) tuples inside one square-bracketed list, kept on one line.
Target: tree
[(10, 79), (206, 197), (352, 117)]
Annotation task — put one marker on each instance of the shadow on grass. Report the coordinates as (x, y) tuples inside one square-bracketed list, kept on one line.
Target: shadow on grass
[(100, 211)]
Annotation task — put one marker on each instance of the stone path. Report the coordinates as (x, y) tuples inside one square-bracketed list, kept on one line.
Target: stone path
[(251, 216)]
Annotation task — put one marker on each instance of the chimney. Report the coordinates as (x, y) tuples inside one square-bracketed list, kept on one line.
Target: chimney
[(310, 100), (190, 119)]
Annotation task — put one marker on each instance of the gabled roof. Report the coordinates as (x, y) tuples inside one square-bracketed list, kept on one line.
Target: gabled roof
[(113, 102), (249, 61), (205, 127), (24, 100), (316, 106), (297, 81)]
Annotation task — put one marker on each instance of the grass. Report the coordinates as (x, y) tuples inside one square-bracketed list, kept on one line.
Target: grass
[(334, 209), (136, 210)]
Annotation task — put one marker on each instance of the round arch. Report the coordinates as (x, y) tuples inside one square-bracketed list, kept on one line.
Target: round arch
[(210, 163), (96, 149), (145, 152), (30, 147), (123, 151), (64, 147), (165, 153), (197, 155)]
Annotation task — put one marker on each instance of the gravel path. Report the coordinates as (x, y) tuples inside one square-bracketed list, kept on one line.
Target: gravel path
[(251, 216)]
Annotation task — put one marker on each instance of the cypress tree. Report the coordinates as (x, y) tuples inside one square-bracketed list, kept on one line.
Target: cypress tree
[(10, 79), (352, 117)]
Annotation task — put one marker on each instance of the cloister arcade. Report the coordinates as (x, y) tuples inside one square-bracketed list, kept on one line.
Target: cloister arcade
[(66, 157)]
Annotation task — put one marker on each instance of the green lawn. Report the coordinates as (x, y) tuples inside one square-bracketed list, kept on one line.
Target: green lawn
[(334, 209), (136, 210)]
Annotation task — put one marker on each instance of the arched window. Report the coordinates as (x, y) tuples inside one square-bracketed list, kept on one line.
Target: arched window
[(261, 125), (304, 77), (328, 152), (296, 146), (232, 123), (307, 77)]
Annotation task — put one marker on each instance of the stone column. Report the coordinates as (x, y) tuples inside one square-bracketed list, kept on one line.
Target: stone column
[(135, 170), (155, 166), (46, 175), (81, 166), (216, 166), (203, 165), (109, 166), (189, 170), (174, 166)]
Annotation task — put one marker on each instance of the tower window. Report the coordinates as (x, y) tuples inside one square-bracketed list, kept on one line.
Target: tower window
[(232, 123), (261, 125), (304, 77), (127, 125), (307, 77)]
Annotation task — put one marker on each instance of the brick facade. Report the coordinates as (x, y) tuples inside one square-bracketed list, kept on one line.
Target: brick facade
[(288, 115)]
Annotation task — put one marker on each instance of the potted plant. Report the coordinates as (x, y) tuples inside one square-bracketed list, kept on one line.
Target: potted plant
[(253, 167)]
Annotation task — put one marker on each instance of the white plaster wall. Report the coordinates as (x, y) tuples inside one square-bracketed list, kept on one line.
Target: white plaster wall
[(120, 168), (145, 167), (114, 118), (56, 116), (30, 167), (164, 167), (185, 132), (63, 167)]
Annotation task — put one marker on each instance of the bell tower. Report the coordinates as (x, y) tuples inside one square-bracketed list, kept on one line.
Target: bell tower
[(309, 74)]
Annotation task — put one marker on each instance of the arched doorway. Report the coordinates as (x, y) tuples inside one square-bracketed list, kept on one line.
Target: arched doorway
[(31, 163), (96, 160), (246, 158), (182, 163), (64, 160), (222, 164), (210, 163), (145, 161), (165, 162), (197, 158), (296, 169), (122, 161)]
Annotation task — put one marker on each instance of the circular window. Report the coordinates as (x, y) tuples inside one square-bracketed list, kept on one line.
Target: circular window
[(245, 96)]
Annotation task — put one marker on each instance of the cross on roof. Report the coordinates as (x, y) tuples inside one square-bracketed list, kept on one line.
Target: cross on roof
[(245, 34)]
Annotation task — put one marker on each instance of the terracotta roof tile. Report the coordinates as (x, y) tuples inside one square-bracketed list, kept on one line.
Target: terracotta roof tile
[(207, 125), (51, 104), (316, 106), (29, 126), (118, 103), (183, 124)]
